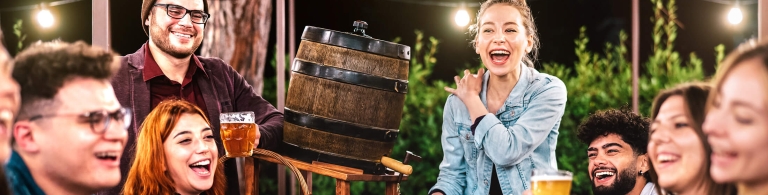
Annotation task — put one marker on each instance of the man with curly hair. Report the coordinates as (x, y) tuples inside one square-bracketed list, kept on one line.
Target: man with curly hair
[(618, 160)]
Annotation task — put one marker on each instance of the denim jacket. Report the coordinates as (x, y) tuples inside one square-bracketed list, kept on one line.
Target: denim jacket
[(521, 136)]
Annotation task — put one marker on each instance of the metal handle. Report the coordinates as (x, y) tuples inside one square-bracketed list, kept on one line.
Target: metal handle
[(360, 27)]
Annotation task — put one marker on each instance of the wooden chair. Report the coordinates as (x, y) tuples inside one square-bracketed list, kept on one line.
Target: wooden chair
[(343, 175)]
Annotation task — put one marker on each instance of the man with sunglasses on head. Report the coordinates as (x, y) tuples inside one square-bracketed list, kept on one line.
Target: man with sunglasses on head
[(70, 132), (166, 67)]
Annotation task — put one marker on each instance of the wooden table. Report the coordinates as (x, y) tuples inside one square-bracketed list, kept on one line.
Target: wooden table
[(343, 175)]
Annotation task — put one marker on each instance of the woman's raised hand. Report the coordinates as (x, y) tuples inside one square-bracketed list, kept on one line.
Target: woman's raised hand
[(469, 85)]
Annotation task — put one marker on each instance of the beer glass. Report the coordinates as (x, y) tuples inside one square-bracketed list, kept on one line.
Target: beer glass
[(551, 182), (238, 132)]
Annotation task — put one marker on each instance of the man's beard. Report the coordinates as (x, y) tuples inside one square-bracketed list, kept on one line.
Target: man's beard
[(161, 38), (622, 184)]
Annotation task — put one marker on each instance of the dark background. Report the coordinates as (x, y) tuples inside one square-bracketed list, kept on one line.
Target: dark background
[(558, 21)]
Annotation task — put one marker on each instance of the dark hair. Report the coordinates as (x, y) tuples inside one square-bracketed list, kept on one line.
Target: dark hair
[(695, 96), (530, 26), (44, 67), (630, 127)]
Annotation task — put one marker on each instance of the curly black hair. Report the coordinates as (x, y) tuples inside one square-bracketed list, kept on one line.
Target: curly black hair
[(631, 127)]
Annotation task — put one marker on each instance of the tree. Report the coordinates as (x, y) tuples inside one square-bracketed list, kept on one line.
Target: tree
[(238, 33)]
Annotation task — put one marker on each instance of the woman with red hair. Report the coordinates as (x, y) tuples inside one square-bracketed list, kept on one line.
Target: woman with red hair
[(176, 153)]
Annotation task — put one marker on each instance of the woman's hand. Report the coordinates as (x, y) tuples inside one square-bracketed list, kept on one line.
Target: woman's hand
[(468, 86), (468, 91)]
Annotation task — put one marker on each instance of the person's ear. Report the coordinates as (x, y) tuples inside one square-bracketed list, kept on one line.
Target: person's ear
[(146, 22), (529, 46), (24, 136), (643, 163)]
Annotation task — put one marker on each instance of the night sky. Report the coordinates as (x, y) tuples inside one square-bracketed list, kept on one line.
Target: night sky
[(558, 22)]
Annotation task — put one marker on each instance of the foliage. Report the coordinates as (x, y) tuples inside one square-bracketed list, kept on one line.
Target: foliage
[(601, 81), (422, 118), (19, 34)]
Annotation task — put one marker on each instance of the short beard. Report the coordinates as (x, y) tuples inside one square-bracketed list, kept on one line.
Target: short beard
[(161, 38), (623, 184)]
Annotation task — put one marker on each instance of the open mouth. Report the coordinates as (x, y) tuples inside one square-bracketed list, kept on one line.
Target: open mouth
[(108, 156), (668, 158), (181, 35), (722, 157), (202, 167), (603, 175), (499, 55)]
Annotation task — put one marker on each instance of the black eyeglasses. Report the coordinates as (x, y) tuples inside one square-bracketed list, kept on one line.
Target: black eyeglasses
[(178, 12), (99, 120)]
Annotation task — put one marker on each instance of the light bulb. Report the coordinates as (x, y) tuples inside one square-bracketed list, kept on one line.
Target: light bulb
[(735, 16), (45, 18), (462, 17)]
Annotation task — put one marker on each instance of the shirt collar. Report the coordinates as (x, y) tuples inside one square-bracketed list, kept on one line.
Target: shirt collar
[(649, 189), (20, 171), (524, 79), (152, 69)]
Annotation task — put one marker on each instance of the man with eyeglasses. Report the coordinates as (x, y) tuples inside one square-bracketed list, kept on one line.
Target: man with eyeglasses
[(166, 67), (70, 132)]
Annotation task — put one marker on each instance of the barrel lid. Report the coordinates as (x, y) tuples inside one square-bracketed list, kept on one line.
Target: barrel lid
[(356, 42)]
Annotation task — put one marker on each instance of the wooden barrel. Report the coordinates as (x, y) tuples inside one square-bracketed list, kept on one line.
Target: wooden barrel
[(345, 99)]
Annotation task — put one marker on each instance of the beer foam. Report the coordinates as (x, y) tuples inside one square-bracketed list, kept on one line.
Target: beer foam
[(551, 178)]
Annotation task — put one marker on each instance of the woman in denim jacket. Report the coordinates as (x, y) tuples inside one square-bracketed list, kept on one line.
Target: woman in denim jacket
[(500, 125)]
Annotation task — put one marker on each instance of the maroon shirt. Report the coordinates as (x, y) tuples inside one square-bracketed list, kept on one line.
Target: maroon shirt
[(223, 90), (161, 87)]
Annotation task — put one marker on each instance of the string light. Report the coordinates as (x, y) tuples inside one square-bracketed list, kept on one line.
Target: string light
[(735, 16), (462, 17), (44, 17)]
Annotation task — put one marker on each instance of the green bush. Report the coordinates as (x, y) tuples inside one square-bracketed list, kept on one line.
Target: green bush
[(601, 81)]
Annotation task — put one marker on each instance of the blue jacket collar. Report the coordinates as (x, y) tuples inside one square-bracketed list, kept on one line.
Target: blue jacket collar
[(518, 92), (20, 178)]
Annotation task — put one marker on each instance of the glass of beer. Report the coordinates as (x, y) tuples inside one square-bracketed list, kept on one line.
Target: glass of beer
[(238, 132), (551, 182)]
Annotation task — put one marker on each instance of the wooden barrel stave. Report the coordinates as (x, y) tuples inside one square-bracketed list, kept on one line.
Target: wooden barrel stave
[(357, 61), (342, 146), (341, 101)]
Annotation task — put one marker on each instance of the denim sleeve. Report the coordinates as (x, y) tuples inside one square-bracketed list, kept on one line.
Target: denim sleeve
[(508, 146), (453, 170)]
